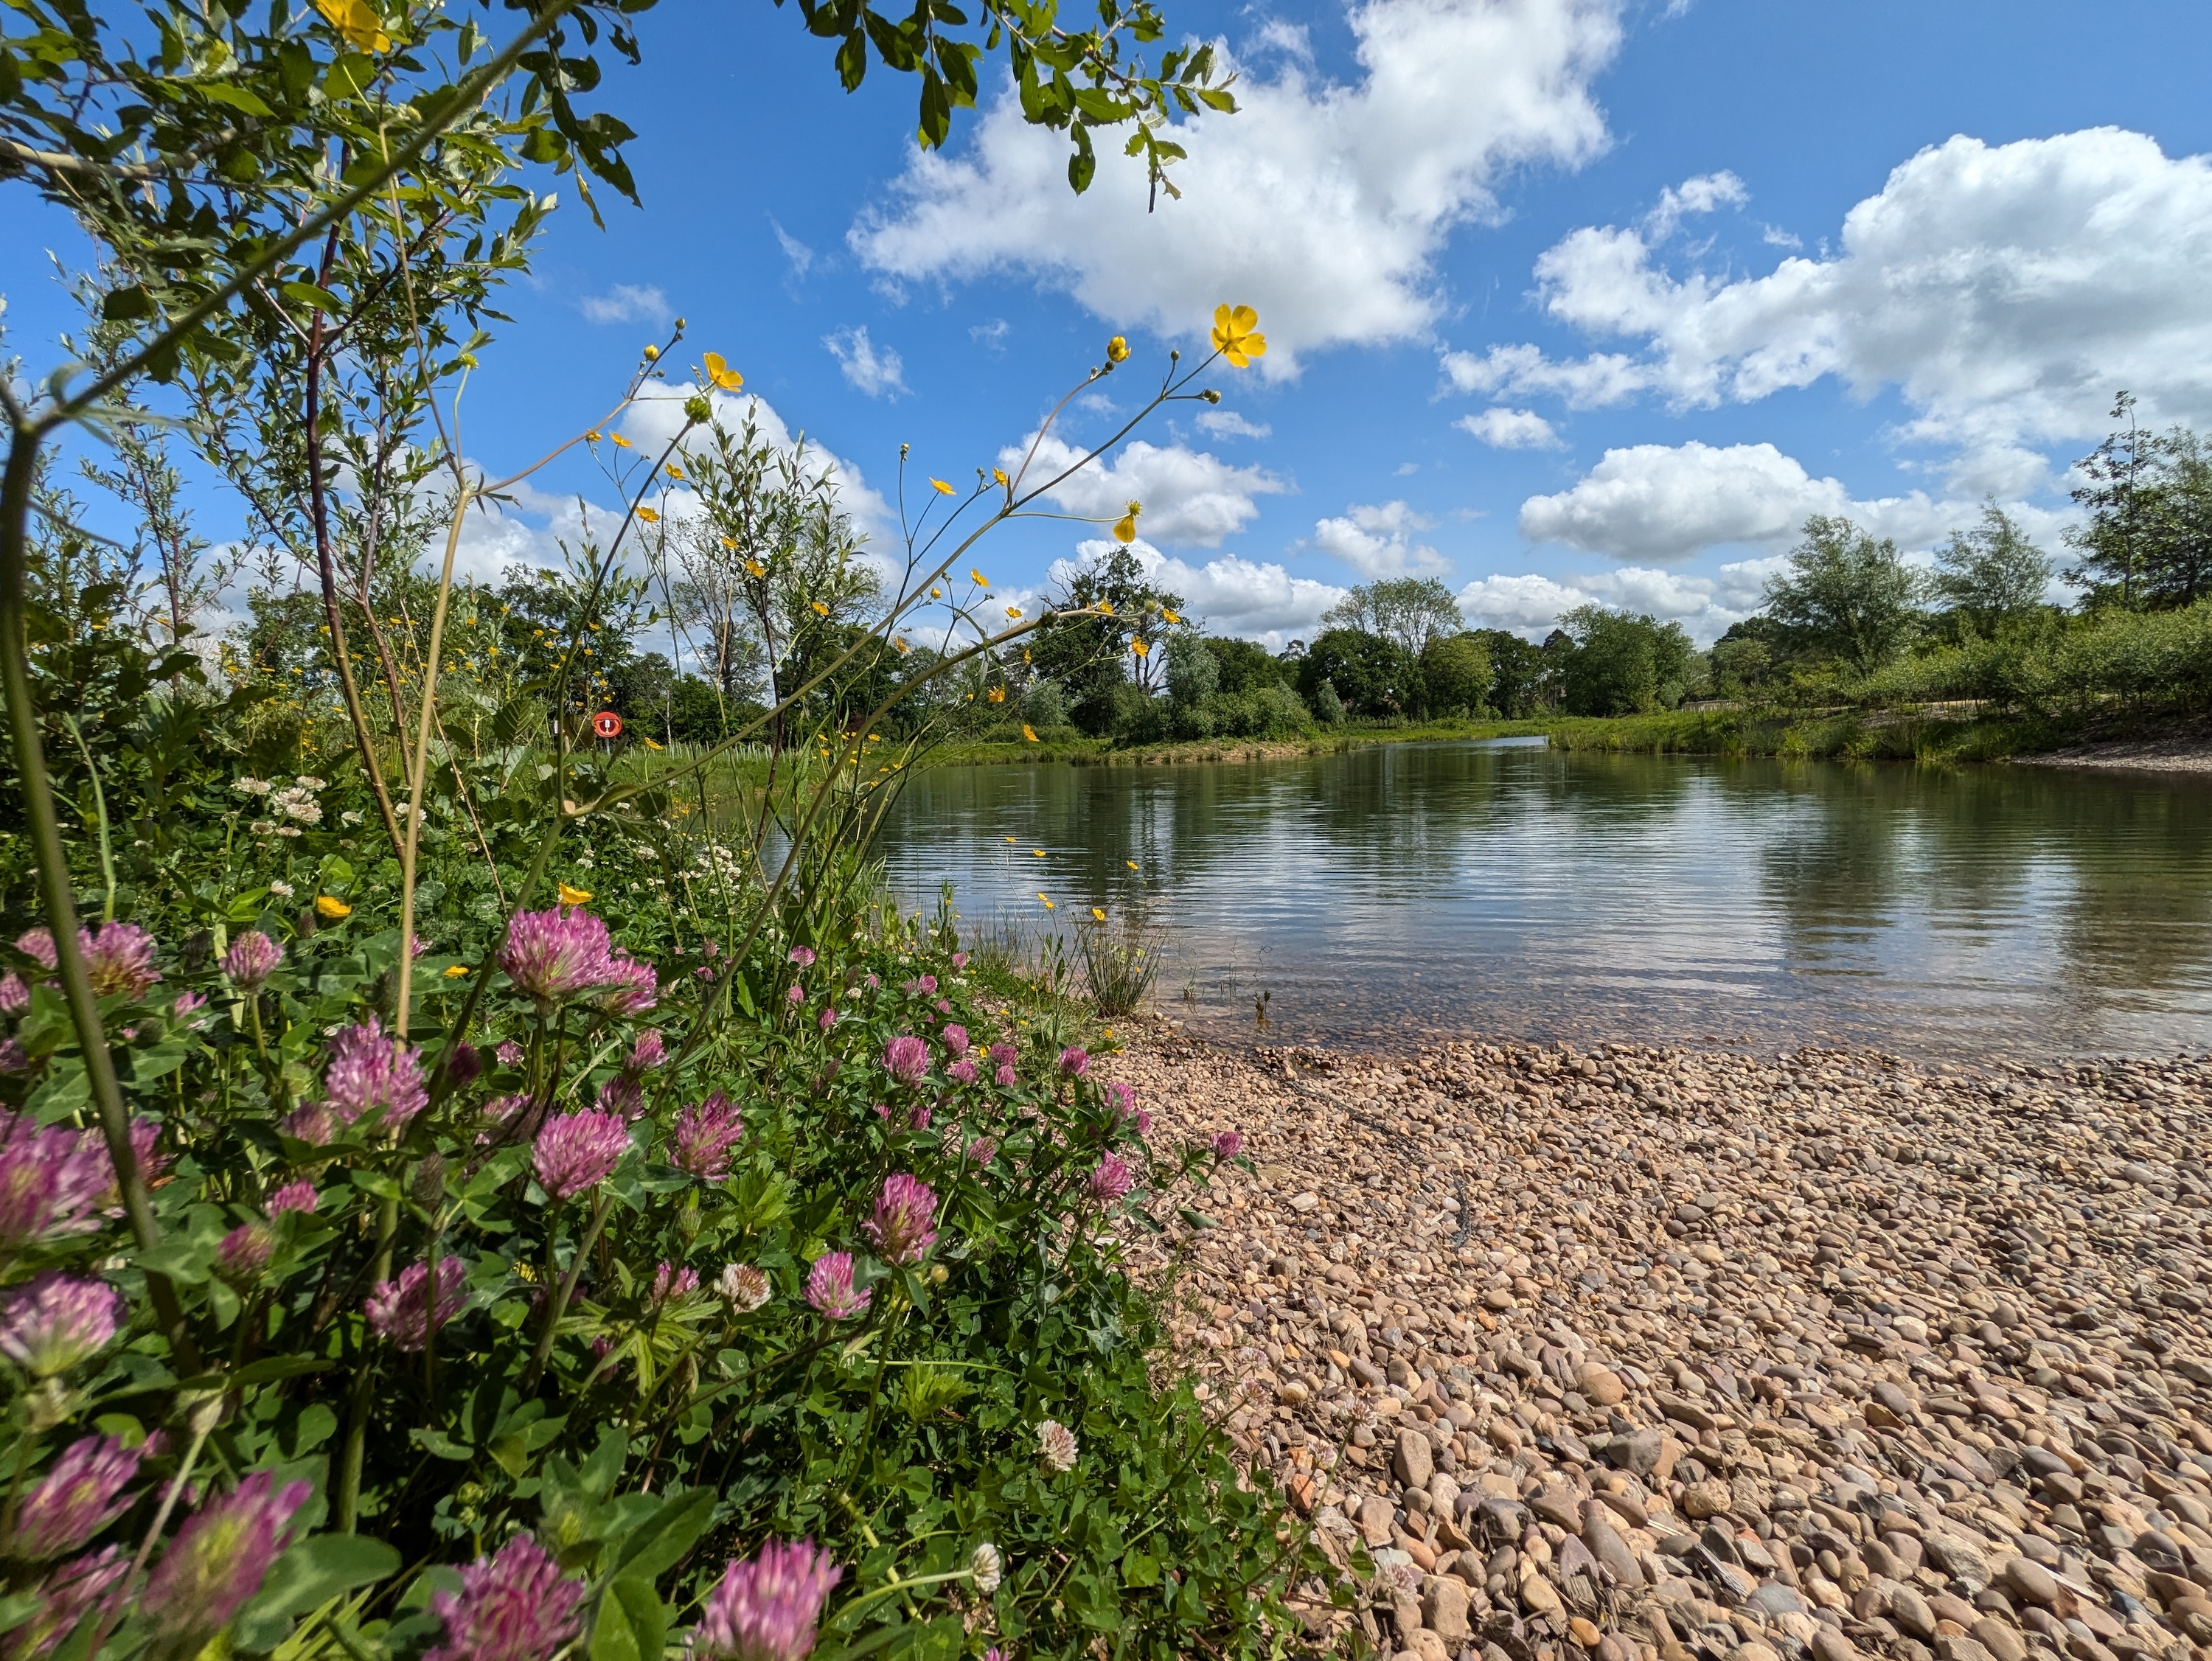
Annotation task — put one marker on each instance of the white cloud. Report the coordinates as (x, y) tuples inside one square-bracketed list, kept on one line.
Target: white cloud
[(876, 371), (627, 302), (1230, 595), (1664, 504), (800, 256), (1377, 542), (2005, 290), (1228, 424), (1188, 495), (1701, 194), (658, 417), (1324, 205), (1531, 605), (1510, 430)]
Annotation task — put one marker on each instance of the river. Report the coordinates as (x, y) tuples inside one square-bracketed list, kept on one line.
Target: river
[(1409, 891)]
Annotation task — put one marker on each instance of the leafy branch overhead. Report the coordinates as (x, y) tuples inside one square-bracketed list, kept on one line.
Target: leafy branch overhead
[(1070, 81)]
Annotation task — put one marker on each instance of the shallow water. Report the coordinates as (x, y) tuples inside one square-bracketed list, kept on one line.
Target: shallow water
[(1417, 890)]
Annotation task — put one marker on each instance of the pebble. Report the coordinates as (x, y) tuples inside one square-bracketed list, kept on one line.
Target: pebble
[(1673, 1356)]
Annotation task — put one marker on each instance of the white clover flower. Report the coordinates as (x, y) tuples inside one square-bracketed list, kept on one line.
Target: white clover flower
[(308, 781), (351, 816), (1055, 1446), (988, 1568), (300, 804), (745, 1286), (283, 890), (252, 787), (262, 827), (288, 830)]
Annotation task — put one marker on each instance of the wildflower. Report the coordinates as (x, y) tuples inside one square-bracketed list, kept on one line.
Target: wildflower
[(292, 1197), (1005, 1075), (1125, 528), (986, 1567), (983, 1149), (119, 959), (357, 22), (554, 955), (456, 971), (1097, 914), (620, 442), (1142, 648), (219, 1560), (954, 1039), (1169, 616), (313, 1123), (87, 1588), (802, 956), (15, 994), (462, 1065), (330, 905), (1124, 1098), (400, 1309), (1131, 864), (745, 1286), (242, 1256), (76, 1499), (53, 1321), (297, 802), (794, 995), (1047, 900), (1235, 336), (1075, 1061), (902, 1227), (509, 1053), (941, 486), (980, 579), (918, 1117), (906, 1059), (959, 961), (720, 373), (673, 471), (962, 1071), (1056, 1448), (704, 1135), (1117, 350), (629, 986), (1003, 1054), (51, 1181), (829, 1019), (577, 1151), (1111, 1180), (621, 1096), (829, 1287), (651, 354), (514, 1606), (250, 786), (769, 1609), (1227, 1145), (371, 1074), (252, 959), (649, 1052), (670, 1281)]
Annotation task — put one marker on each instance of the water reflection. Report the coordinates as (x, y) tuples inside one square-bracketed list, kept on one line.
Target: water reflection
[(1450, 889)]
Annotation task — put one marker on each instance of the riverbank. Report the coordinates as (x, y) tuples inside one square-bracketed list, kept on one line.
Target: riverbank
[(1660, 1353)]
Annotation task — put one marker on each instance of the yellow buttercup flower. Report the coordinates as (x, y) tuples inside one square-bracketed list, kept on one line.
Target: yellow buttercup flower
[(1014, 611), (1048, 904), (575, 896), (455, 971), (1235, 335), (820, 609), (998, 695), (998, 474), (652, 354), (649, 745), (648, 516), (729, 543), (1010, 839), (1131, 864), (1107, 606), (756, 568), (357, 21), (936, 593), (622, 443), (980, 579), (941, 486), (1039, 852), (674, 471), (1117, 350), (1029, 733), (720, 373), (593, 436), (1169, 615), (1143, 649), (330, 905), (1098, 913)]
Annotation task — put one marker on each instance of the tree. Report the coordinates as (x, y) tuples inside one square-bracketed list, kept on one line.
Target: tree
[(1993, 572), (1087, 655), (2148, 541), (1193, 672), (1408, 611), (1246, 665), (1374, 676), (1517, 672), (1455, 674), (1620, 662), (1848, 594)]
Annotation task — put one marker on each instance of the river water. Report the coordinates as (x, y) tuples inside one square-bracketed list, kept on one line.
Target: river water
[(1411, 891)]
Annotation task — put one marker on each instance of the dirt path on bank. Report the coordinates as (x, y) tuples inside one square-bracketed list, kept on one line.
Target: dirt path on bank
[(1656, 1353)]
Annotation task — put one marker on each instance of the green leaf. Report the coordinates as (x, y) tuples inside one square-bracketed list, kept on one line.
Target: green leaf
[(1140, 1569), (236, 98), (321, 1567), (127, 305), (654, 1546), (632, 1624), (308, 294)]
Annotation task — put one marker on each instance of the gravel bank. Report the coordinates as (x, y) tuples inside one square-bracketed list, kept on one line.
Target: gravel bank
[(1659, 1353)]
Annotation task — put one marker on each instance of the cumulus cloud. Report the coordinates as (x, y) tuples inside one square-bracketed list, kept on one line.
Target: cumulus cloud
[(1701, 194), (1230, 595), (1188, 495), (653, 420), (1502, 428), (627, 302), (1322, 204), (875, 370), (1664, 504), (1531, 605), (1228, 424), (1377, 542), (2005, 290)]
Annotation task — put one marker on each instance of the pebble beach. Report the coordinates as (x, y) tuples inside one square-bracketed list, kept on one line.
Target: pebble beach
[(1653, 1354)]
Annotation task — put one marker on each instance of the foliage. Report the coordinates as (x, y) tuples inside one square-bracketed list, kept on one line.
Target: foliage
[(1407, 611), (1517, 672), (1455, 675), (1992, 574), (1847, 594), (1618, 663), (1109, 608), (2148, 541), (1373, 676)]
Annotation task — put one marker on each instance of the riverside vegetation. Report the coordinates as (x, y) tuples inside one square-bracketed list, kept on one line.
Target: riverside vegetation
[(460, 1195)]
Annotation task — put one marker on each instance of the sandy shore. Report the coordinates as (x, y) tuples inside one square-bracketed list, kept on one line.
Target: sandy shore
[(1659, 1353)]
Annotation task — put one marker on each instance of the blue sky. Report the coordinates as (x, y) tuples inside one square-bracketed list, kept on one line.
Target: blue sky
[(1568, 299)]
